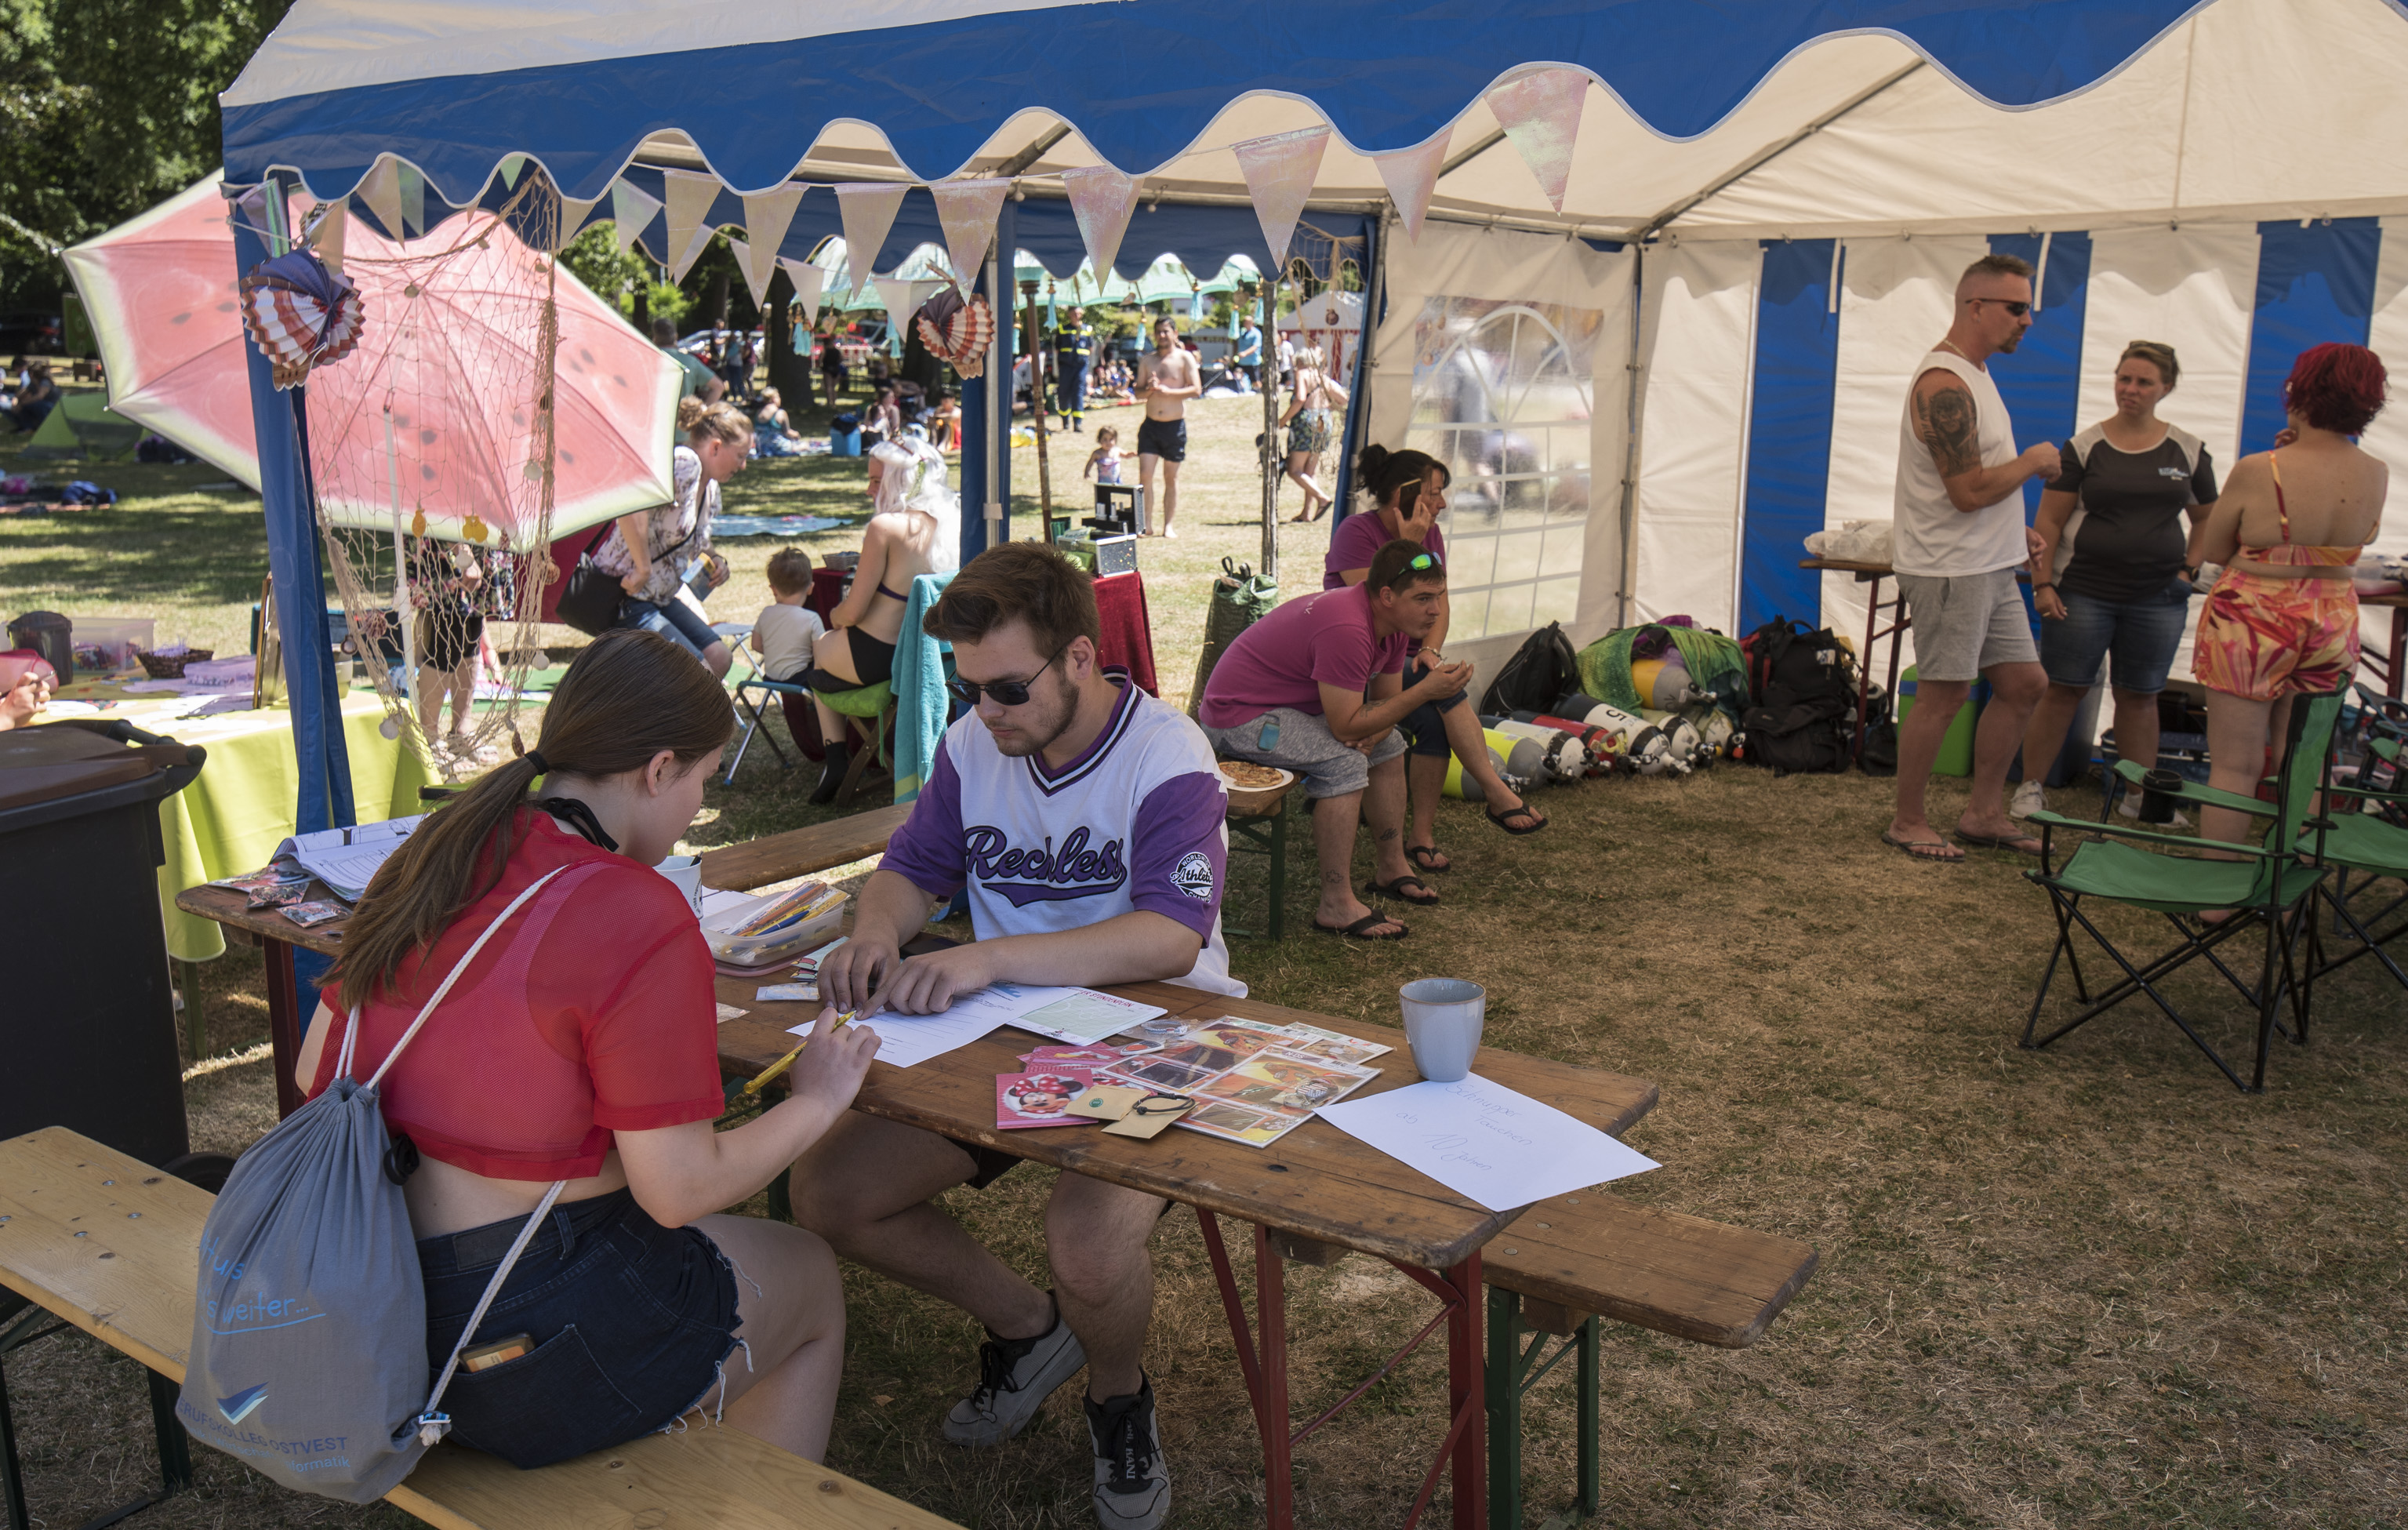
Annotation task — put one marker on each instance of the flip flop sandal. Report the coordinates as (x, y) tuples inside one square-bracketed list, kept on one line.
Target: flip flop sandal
[(1525, 810), (1421, 855), (1355, 931), (1389, 890), (1912, 850), (2010, 843)]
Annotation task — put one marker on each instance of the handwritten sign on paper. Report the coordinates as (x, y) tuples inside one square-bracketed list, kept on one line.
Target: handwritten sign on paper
[(1487, 1142)]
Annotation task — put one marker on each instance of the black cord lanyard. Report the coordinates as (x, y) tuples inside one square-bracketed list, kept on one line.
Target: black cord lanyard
[(580, 818)]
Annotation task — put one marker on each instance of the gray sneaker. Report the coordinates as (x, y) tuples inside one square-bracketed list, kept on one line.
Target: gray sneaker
[(1015, 1377), (1132, 1485)]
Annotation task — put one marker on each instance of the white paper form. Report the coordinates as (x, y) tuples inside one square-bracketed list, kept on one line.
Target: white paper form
[(909, 1040), (1487, 1142), (1068, 1014), (347, 859)]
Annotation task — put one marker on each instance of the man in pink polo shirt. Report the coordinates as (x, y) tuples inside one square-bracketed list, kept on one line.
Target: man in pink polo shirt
[(1316, 687)]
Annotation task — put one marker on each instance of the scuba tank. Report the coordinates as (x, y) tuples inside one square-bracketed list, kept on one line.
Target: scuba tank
[(1687, 744), (1640, 746), (1664, 684), (1600, 745), (1561, 753), (1519, 760), (1715, 726)]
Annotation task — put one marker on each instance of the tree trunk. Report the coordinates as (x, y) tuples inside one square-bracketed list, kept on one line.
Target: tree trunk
[(642, 318), (788, 373), (714, 302)]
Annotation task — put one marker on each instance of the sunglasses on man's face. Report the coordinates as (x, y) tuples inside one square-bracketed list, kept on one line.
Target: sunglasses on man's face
[(2018, 309), (1005, 692)]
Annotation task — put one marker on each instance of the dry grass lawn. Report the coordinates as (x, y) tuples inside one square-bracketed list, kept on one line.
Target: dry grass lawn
[(2092, 1286)]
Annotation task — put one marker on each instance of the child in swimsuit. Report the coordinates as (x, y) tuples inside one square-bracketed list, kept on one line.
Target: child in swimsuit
[(2264, 637)]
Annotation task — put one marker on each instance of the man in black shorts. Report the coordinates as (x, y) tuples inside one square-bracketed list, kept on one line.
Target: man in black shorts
[(1166, 382)]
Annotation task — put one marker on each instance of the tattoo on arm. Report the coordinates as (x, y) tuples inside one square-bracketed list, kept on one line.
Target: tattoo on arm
[(1947, 422)]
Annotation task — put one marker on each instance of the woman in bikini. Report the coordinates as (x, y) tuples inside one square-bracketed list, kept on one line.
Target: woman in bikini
[(1311, 417), (908, 533), (2282, 620)]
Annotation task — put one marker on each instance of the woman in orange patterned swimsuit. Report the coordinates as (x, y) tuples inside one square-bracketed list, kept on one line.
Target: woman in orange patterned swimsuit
[(2282, 620)]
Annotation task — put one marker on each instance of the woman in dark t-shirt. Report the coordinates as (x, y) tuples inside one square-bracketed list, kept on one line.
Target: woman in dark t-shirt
[(2115, 522)]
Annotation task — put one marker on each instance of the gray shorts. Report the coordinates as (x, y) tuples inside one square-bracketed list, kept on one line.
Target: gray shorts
[(1306, 746), (1966, 624)]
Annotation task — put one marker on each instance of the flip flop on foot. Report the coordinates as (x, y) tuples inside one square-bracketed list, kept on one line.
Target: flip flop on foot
[(1923, 850), (1396, 890), (1518, 810), (1428, 858), (2012, 842), (1357, 931)]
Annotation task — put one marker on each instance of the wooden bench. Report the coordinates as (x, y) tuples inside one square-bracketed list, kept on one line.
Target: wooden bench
[(1568, 1261), (798, 852), (112, 1245)]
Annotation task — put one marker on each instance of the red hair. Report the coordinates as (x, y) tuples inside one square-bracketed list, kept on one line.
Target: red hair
[(2336, 387)]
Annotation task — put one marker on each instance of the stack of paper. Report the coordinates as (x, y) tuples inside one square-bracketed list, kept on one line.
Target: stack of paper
[(1487, 1142), (346, 859), (1068, 1014)]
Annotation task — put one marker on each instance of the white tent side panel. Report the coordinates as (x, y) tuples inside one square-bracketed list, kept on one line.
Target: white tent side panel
[(1573, 544), (2386, 335), (2193, 288), (1697, 355), (1897, 299)]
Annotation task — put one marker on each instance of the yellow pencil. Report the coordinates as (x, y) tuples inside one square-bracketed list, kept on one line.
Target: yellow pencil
[(782, 1064)]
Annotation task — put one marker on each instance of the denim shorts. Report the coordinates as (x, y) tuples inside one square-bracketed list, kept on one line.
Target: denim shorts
[(1425, 726), (2142, 634), (673, 620), (631, 1321)]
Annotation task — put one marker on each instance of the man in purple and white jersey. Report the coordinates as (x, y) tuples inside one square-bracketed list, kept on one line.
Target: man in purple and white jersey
[(1087, 821)]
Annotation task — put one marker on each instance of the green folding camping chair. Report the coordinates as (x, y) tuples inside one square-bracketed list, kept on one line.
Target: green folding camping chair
[(2267, 887), (2363, 845)]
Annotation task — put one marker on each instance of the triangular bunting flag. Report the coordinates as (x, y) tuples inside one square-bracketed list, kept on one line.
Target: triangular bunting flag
[(1102, 198), (1540, 113), (760, 288), (380, 189), (1279, 173), (690, 197), (413, 199), (896, 295), (510, 166), (868, 208), (573, 214), (633, 211), (967, 211), (766, 216), (1411, 175), (327, 237), (809, 279)]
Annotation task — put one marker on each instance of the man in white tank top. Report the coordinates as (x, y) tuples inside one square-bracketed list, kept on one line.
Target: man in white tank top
[(1961, 537)]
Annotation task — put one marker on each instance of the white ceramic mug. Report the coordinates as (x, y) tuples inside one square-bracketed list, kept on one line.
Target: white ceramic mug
[(1443, 1021), (686, 872)]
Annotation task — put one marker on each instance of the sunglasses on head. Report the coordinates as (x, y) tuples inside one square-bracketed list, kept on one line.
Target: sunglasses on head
[(1005, 692), (2018, 309)]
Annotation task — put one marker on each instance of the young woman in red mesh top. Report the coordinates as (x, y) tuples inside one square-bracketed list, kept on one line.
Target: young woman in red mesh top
[(581, 1046)]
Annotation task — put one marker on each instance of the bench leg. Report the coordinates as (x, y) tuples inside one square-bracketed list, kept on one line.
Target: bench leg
[(12, 1472), (1278, 921), (1588, 1416), (175, 1449), (1504, 1385)]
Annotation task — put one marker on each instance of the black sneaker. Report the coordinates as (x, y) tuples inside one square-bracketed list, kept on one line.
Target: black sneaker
[(1132, 1485), (1015, 1377)]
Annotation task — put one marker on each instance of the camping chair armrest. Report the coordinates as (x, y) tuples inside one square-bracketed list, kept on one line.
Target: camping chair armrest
[(2187, 841), (2207, 796), (2366, 793)]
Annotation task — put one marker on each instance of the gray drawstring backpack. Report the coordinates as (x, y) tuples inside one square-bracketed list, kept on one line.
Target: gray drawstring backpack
[(308, 1355)]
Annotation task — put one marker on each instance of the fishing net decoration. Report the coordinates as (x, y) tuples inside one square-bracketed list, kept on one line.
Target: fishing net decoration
[(433, 452)]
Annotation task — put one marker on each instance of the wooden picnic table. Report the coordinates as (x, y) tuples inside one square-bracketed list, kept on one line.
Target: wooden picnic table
[(2388, 665), (1314, 1193), (755, 862)]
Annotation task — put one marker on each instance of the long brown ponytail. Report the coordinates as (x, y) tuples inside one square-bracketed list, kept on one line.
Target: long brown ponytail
[(628, 696)]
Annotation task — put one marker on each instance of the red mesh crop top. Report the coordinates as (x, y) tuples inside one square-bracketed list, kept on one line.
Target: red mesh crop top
[(591, 1012)]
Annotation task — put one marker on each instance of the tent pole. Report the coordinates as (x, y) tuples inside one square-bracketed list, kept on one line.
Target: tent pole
[(1358, 403), (401, 583), (1270, 454), (1625, 594)]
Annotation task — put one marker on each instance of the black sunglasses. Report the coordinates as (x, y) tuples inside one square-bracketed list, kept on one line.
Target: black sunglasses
[(1005, 692), (2018, 309)]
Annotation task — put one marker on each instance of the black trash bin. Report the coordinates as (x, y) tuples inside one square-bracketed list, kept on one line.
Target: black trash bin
[(87, 1010)]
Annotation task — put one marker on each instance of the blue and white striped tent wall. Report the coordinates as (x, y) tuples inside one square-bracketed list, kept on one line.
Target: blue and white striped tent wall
[(1773, 376)]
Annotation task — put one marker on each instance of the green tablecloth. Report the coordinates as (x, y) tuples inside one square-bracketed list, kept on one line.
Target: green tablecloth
[(239, 809)]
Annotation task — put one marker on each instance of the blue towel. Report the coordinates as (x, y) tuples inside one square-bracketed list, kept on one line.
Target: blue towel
[(923, 706)]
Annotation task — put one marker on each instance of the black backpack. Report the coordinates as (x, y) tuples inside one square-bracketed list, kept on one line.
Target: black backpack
[(1544, 668), (1804, 685)]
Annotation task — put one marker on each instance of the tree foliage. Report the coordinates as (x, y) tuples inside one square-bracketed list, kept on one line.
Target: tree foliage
[(106, 107)]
